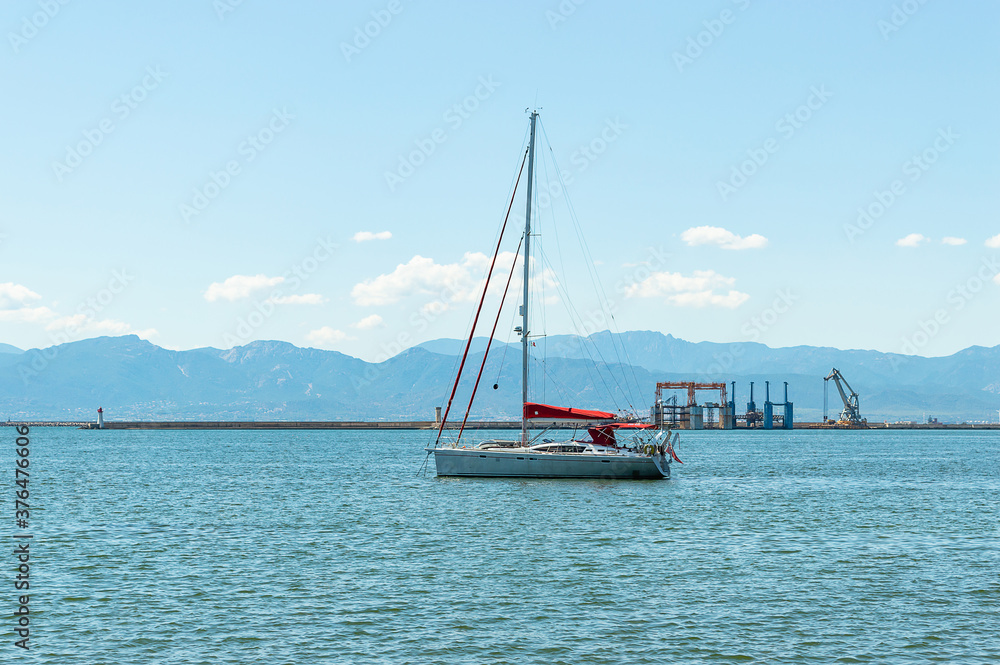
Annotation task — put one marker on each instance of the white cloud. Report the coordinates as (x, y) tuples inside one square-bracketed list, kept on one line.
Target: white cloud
[(716, 235), (15, 296), (912, 240), (661, 283), (418, 275), (77, 325), (27, 315), (78, 321), (446, 283), (16, 307), (299, 299), (434, 308), (363, 236), (326, 336), (240, 286), (696, 290), (730, 300), (994, 242), (368, 322), (949, 240)]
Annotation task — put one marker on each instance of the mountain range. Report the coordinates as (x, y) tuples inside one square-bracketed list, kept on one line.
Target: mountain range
[(133, 379)]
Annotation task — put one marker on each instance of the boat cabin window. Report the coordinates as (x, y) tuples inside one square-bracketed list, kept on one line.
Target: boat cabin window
[(559, 448)]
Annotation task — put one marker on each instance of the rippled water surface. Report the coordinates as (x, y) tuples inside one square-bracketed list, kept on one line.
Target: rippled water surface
[(329, 547)]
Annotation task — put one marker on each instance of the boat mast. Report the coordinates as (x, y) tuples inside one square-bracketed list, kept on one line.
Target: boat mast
[(524, 304)]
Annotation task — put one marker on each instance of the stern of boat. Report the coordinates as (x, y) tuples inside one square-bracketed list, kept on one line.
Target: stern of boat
[(662, 463)]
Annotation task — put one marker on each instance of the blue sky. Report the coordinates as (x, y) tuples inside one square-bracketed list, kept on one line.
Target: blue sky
[(208, 173)]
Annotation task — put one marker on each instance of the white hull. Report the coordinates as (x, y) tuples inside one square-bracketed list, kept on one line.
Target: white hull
[(523, 463)]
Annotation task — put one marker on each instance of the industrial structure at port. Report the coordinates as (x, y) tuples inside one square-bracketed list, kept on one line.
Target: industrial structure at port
[(667, 411), (851, 415)]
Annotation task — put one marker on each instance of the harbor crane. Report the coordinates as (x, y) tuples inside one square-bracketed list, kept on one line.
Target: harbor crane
[(851, 415)]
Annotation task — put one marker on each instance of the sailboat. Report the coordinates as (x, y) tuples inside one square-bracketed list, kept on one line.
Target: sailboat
[(602, 455)]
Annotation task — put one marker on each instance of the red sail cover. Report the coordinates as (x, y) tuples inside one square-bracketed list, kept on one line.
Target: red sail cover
[(604, 435), (546, 412)]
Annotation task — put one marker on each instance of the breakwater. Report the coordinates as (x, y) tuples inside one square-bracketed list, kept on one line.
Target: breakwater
[(429, 425), (302, 425)]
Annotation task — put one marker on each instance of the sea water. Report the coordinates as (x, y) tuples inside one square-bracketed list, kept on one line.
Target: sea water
[(334, 547)]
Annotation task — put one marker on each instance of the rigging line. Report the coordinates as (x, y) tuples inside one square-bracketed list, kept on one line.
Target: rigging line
[(486, 286), (592, 273), (548, 213), (628, 360), (546, 263), (572, 211), (630, 396), (555, 227), (588, 260), (424, 465), (524, 143), (596, 376), (612, 323), (538, 294), (560, 386), (510, 192), (577, 322), (490, 342), (510, 327), (545, 340)]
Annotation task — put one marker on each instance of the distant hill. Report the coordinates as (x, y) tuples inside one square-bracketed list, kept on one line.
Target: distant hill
[(136, 380), (7, 348)]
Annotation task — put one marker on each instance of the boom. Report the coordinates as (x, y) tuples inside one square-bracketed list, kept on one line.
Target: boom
[(851, 415)]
